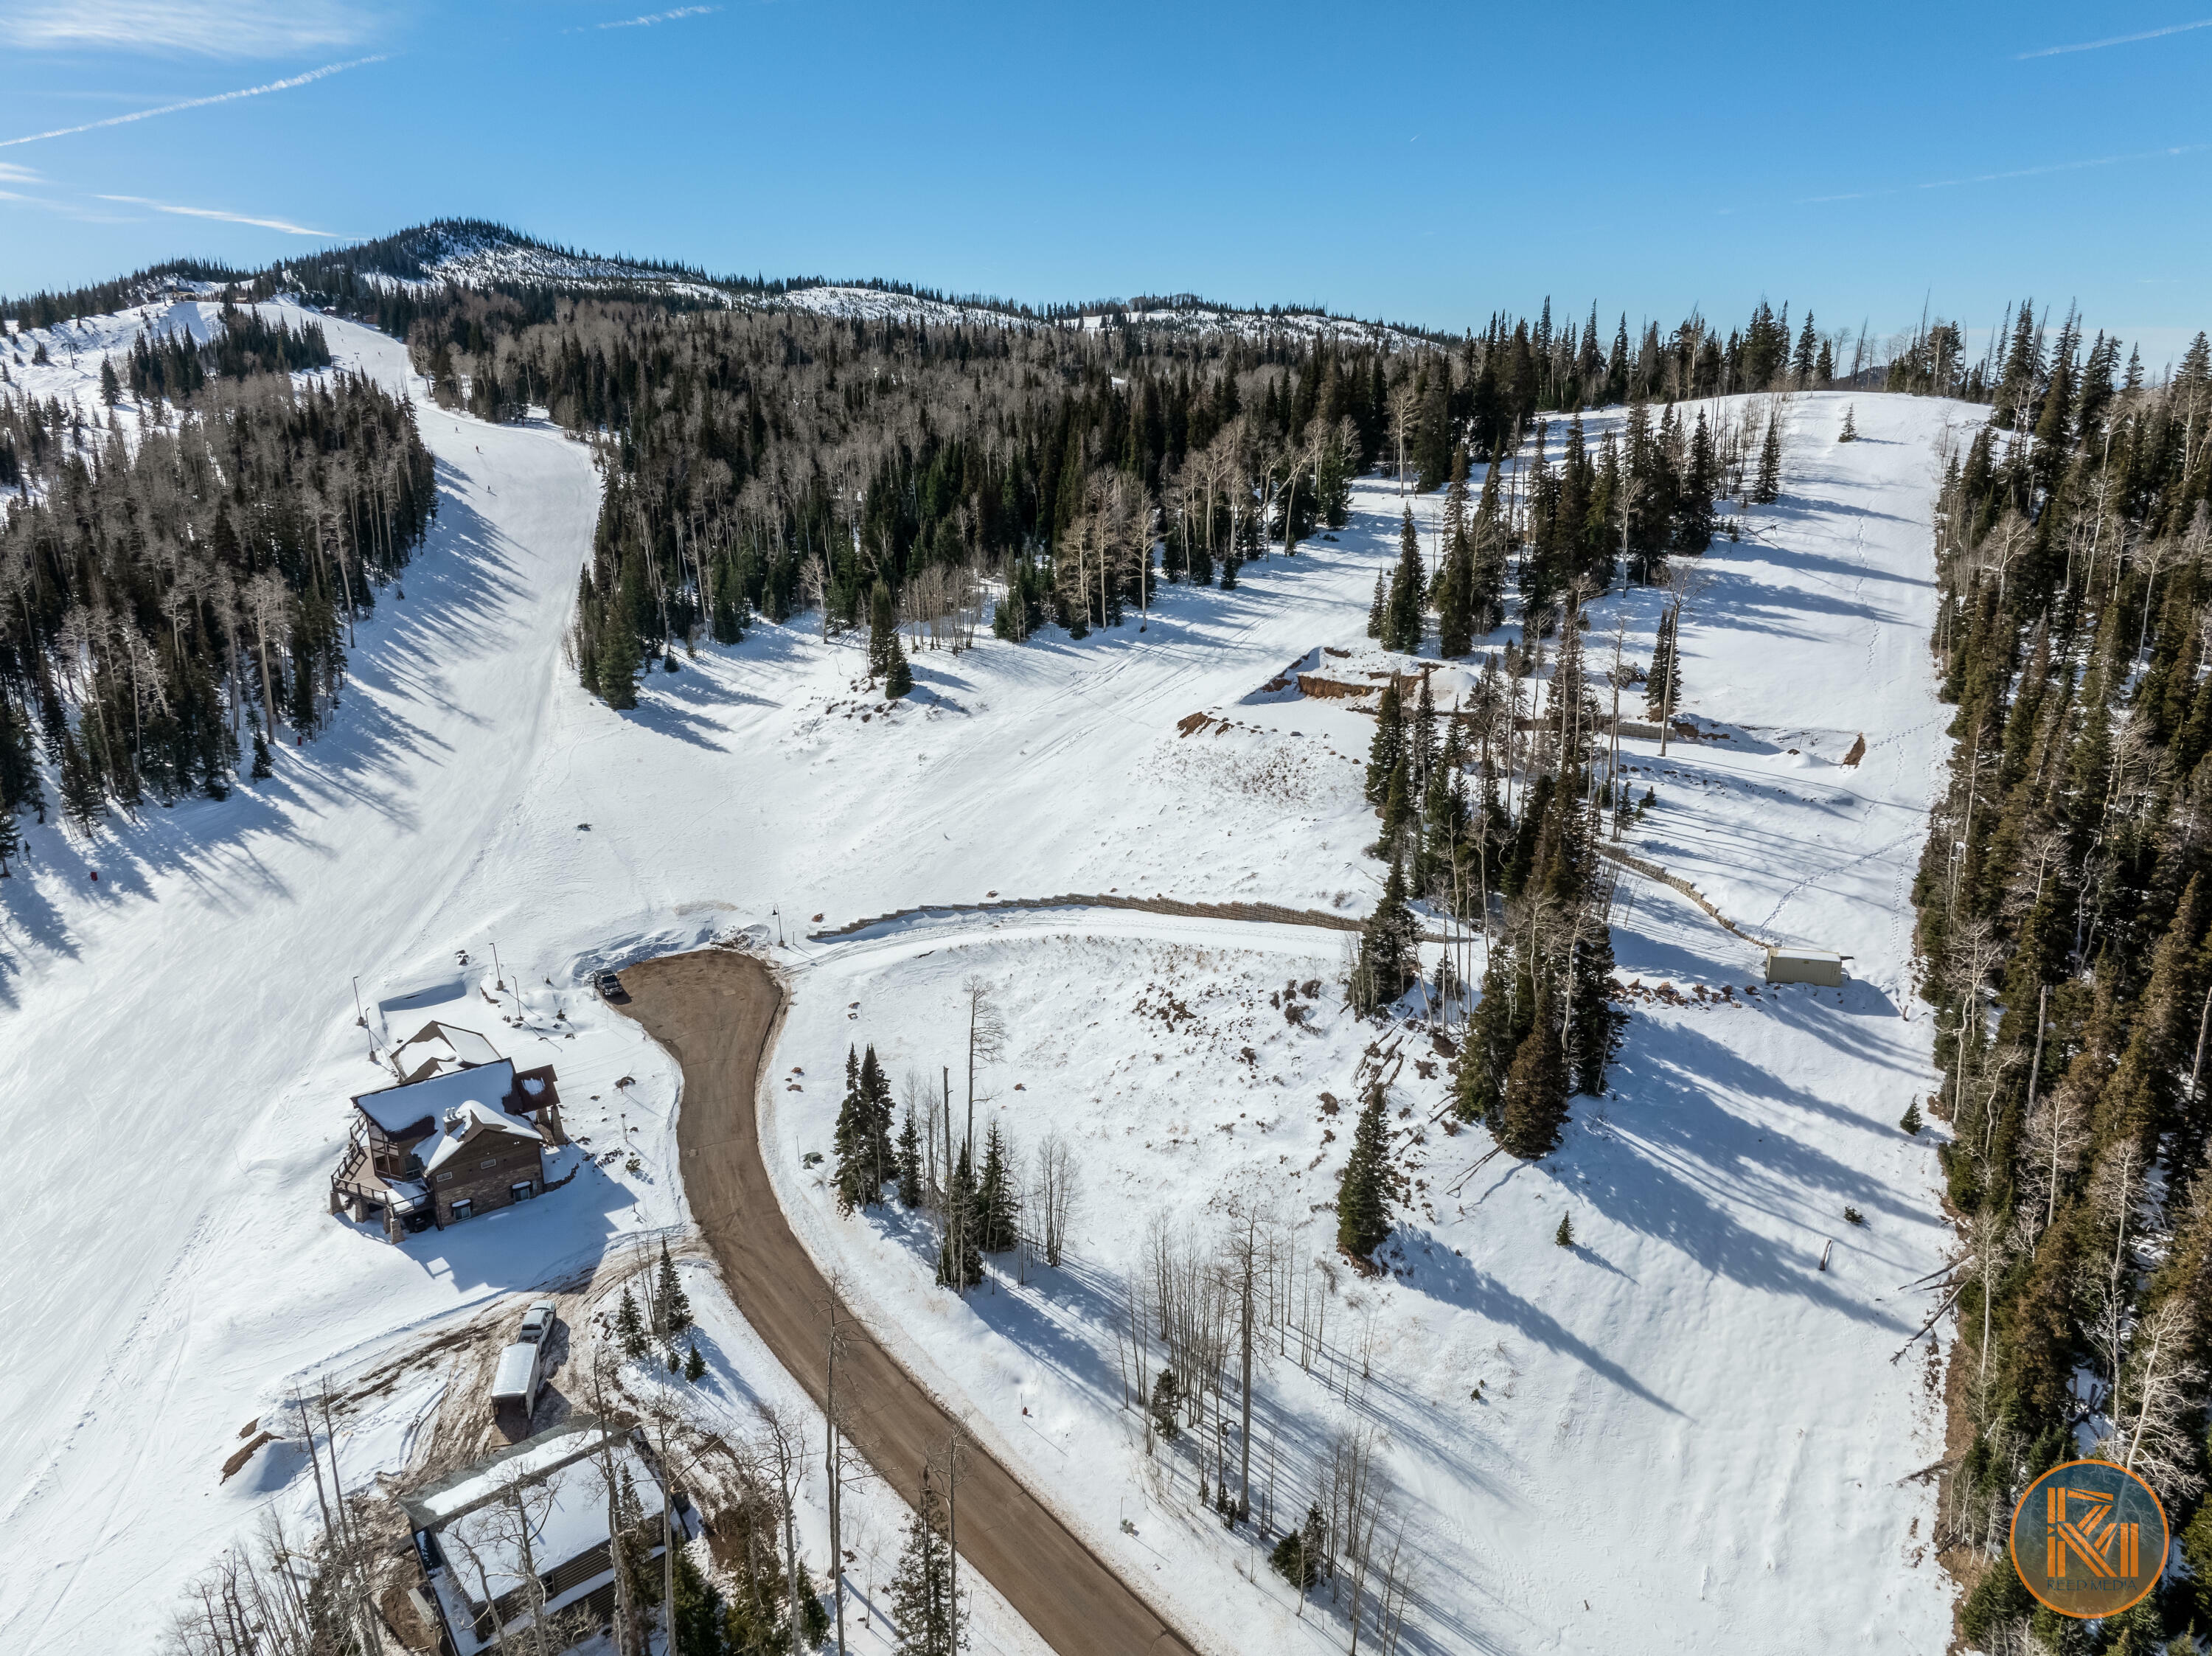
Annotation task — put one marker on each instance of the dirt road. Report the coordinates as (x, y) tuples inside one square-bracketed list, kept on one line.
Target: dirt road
[(714, 1012)]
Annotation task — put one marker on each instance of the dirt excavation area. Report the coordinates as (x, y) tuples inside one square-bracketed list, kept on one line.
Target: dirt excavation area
[(715, 1011)]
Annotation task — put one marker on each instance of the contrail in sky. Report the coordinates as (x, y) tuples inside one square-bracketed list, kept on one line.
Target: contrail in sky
[(2116, 40), (197, 103), (288, 228)]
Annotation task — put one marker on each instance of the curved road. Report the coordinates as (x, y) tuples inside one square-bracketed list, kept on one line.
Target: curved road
[(715, 1011)]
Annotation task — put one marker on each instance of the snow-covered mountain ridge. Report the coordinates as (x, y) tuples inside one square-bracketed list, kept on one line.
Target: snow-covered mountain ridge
[(469, 254)]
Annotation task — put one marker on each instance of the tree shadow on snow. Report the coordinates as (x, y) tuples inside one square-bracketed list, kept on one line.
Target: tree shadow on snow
[(462, 588)]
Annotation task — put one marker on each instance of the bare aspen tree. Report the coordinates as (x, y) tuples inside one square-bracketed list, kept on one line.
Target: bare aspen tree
[(987, 1039), (2056, 1134), (952, 1463), (2156, 1411), (781, 1451), (1053, 1191), (1252, 1239), (1404, 417), (270, 603)]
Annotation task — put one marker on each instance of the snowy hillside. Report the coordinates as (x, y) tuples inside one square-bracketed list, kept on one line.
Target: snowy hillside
[(482, 255), (1700, 1393), (182, 1039)]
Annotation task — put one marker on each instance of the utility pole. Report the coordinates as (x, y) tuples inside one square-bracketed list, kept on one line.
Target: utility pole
[(833, 1459)]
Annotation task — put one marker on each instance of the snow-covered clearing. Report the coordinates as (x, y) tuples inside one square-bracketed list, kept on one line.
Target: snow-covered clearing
[(181, 1040), (1686, 1424)]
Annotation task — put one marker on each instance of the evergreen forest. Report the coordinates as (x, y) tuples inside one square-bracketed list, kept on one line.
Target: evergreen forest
[(179, 582)]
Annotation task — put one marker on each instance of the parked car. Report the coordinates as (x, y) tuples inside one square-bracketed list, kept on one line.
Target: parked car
[(538, 1323), (609, 986)]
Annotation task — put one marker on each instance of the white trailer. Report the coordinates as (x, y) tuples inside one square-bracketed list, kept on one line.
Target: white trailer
[(515, 1387)]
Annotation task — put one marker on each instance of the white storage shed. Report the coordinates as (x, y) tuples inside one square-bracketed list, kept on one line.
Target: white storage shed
[(1814, 966)]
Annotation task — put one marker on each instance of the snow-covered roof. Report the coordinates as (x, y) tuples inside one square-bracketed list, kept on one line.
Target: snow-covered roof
[(466, 1121), (444, 1047), (395, 1109), (1776, 951), (563, 1493)]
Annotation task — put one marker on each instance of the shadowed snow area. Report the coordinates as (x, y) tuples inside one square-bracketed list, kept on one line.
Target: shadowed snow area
[(1687, 1425)]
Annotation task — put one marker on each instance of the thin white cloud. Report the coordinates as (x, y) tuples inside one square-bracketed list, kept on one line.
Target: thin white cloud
[(2116, 40), (285, 85), (652, 17), (2065, 167), (2014, 172), (11, 173), (211, 28), (288, 228)]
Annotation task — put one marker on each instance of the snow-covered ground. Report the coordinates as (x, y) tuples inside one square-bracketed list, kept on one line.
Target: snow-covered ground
[(181, 1040), (1689, 1422)]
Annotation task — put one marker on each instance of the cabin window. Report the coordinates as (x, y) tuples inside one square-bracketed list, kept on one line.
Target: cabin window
[(445, 1178), (463, 1209), (523, 1191), (489, 1162)]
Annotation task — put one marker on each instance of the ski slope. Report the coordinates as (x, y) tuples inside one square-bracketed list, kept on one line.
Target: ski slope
[(182, 1038)]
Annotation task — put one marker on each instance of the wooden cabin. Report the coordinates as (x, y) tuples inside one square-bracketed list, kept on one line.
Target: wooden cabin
[(456, 1093)]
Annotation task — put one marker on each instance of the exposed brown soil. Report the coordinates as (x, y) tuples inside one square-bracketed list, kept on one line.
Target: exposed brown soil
[(716, 1011)]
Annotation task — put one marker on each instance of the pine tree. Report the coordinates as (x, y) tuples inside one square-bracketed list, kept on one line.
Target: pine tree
[(883, 631), (1298, 1556), (1850, 433), (1564, 1235), (998, 1206), (1421, 736), (1377, 609), (1456, 598), (1407, 601), (621, 654), (859, 1173), (698, 1615), (921, 1590), (629, 1327), (1167, 1398), (20, 787), (1397, 814), (111, 388), (1389, 948), (910, 1162), (1768, 488), (875, 1119), (1593, 1036), (959, 1260), (1536, 1090), (84, 802), (1910, 1123), (1386, 750), (1693, 501), (262, 770), (695, 1366), (670, 1304), (1363, 1195)]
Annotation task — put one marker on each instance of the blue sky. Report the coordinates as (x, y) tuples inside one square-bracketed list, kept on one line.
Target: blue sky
[(1425, 164)]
